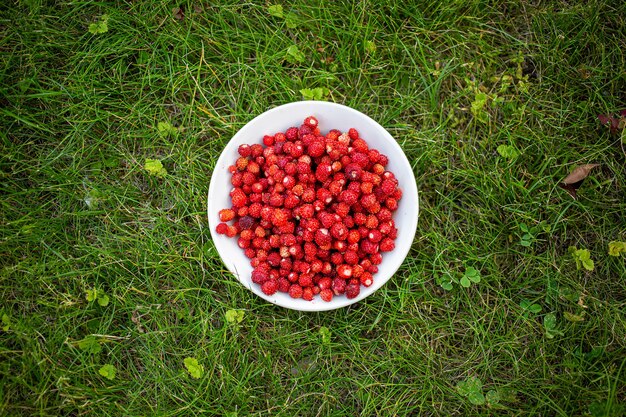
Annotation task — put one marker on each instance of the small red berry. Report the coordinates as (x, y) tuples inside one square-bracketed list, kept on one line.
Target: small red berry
[(387, 245), (344, 271), (366, 279), (291, 134), (326, 295), (322, 237), (221, 228), (307, 294), (339, 286), (269, 287), (352, 291), (311, 122), (295, 291)]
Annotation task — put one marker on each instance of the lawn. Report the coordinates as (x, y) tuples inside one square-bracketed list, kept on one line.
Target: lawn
[(109, 280)]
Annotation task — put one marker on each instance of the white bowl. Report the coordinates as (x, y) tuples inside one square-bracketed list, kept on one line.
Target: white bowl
[(330, 116)]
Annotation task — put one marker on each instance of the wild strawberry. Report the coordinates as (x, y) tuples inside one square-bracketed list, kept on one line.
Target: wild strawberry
[(378, 169), (279, 218), (241, 163), (353, 133), (244, 150), (376, 258), (311, 122), (291, 201), (387, 245), (289, 182), (283, 284), (221, 228), (351, 257), (393, 233), (349, 197), (354, 236), (242, 211), (367, 187), (309, 195), (339, 231), (316, 148), (344, 271), (353, 291), (274, 259), (326, 295), (238, 197), (384, 215), (269, 287), (388, 186), (336, 258), (231, 231), (291, 134), (307, 294), (371, 222), (360, 159), (338, 286), (325, 283), (253, 167), (357, 271), (375, 236), (375, 208), (353, 172), (259, 275), (368, 246), (324, 195), (342, 210), (304, 130), (383, 160), (335, 187), (359, 218), (322, 172), (322, 237), (295, 291), (268, 140), (366, 279), (368, 201)]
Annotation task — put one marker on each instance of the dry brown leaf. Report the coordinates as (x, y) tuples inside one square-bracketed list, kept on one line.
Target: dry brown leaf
[(572, 182), (178, 13)]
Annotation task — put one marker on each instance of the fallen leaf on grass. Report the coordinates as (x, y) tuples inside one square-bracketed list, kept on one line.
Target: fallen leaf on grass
[(615, 123), (178, 13), (572, 182)]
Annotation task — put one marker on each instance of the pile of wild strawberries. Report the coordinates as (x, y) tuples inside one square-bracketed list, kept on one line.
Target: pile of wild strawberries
[(313, 213)]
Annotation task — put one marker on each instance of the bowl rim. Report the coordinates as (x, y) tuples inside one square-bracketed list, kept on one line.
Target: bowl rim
[(409, 185)]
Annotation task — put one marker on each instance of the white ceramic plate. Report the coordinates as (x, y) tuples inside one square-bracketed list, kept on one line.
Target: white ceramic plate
[(330, 116)]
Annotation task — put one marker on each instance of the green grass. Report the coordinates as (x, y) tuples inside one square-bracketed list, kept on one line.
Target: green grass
[(79, 115)]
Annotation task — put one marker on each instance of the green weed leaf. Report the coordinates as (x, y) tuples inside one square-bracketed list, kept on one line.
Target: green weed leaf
[(508, 151), (194, 368), (582, 258), (291, 21), (103, 300), (550, 326), (532, 307), (318, 93), (325, 335), (616, 247), (492, 397), (234, 316), (91, 295), (155, 167), (370, 47), (90, 345), (476, 398), (574, 318), (480, 100), (472, 388), (6, 322), (167, 129), (275, 10), (294, 55), (101, 26), (108, 371)]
